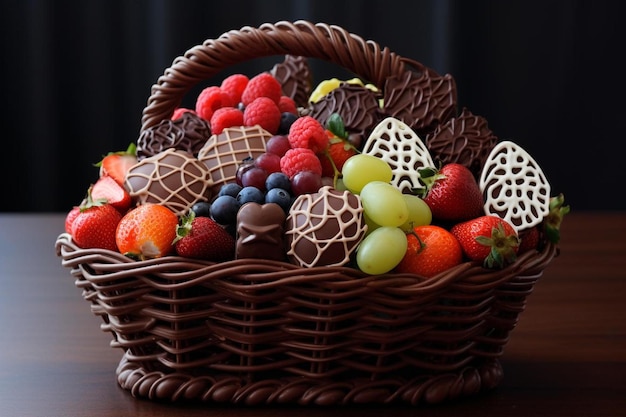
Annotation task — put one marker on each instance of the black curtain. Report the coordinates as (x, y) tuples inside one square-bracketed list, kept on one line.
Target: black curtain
[(75, 76)]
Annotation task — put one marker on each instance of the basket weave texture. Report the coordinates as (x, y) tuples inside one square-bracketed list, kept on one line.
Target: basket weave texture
[(266, 332)]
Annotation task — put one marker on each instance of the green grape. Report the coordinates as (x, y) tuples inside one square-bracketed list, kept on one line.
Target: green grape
[(382, 250), (384, 204), (360, 169), (419, 213), (371, 226)]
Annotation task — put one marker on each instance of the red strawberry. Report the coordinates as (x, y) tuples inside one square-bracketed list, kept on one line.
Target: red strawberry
[(95, 225), (529, 240), (117, 164), (336, 155), (203, 238), (107, 189), (452, 193), (488, 239), (70, 217)]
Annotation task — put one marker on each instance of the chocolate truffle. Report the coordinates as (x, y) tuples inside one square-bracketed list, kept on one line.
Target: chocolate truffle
[(420, 98), (223, 153), (294, 75), (188, 133), (173, 178), (260, 232), (465, 139), (324, 228)]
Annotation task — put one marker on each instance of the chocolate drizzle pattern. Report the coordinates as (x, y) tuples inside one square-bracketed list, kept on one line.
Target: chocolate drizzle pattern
[(173, 178), (324, 228), (188, 133), (295, 77), (223, 153), (420, 98), (357, 105), (465, 139)]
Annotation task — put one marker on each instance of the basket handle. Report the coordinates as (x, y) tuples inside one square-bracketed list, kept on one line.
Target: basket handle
[(322, 41)]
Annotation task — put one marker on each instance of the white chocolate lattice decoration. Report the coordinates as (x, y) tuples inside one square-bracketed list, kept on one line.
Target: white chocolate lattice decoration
[(514, 186), (324, 228), (397, 144)]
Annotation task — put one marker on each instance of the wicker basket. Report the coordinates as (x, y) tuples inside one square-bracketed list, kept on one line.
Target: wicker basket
[(265, 332)]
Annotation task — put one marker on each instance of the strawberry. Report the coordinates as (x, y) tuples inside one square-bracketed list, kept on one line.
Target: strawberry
[(529, 240), (203, 238), (488, 239), (452, 192), (430, 250), (108, 189), (117, 164), (70, 217), (147, 231), (95, 224), (336, 154)]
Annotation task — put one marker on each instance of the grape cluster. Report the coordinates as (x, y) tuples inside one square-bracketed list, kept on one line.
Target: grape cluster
[(388, 212)]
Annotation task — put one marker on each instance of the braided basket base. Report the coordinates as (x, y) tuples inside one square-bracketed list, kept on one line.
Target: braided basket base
[(228, 389)]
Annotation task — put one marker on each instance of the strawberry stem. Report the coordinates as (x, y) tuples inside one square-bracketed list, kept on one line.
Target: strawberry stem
[(184, 227), (503, 247), (552, 222), (89, 202), (131, 150), (428, 176)]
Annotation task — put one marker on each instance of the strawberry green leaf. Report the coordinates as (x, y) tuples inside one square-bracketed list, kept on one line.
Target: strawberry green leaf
[(552, 222), (336, 125)]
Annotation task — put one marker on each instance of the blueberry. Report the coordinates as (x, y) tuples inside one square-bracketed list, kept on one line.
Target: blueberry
[(231, 189), (202, 209), (278, 180), (280, 197), (250, 194), (224, 209), (286, 120)]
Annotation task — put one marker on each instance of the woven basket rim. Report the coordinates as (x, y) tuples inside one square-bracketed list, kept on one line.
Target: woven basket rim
[(185, 272)]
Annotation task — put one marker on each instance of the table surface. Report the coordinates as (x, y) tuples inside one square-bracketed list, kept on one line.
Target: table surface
[(567, 356)]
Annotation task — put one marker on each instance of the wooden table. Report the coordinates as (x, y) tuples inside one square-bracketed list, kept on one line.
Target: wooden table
[(566, 358)]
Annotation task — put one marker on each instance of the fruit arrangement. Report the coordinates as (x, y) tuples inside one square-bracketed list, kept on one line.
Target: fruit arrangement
[(285, 242), (311, 178)]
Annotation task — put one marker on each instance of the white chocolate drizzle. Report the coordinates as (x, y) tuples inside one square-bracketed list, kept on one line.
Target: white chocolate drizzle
[(397, 144), (514, 186), (318, 221)]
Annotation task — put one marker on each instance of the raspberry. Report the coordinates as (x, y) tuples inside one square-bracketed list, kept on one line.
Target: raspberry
[(307, 132), (179, 111), (211, 99), (287, 105), (225, 117), (234, 86), (263, 112), (298, 160), (262, 85)]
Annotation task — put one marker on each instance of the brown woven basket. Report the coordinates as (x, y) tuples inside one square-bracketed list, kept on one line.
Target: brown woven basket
[(264, 332)]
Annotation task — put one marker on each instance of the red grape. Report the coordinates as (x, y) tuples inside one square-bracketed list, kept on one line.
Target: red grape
[(278, 145), (305, 182), (254, 177)]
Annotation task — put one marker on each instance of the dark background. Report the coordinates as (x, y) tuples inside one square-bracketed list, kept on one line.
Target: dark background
[(75, 76)]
